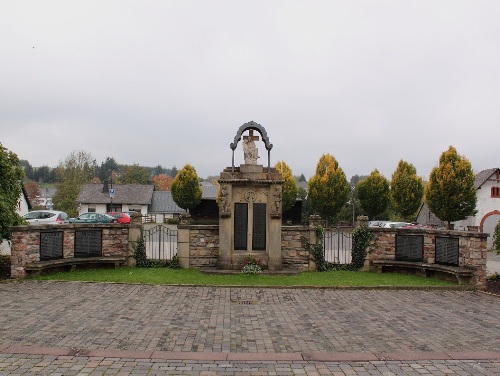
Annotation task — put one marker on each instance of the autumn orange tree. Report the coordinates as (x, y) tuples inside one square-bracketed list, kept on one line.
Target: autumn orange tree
[(289, 186), (328, 188), (162, 182), (407, 190), (33, 191), (450, 192)]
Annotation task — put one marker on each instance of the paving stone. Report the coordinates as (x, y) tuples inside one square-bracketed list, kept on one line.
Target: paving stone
[(94, 328)]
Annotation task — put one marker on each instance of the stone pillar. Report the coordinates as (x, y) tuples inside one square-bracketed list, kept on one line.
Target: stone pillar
[(314, 220), (183, 240), (362, 221), (183, 235), (134, 232)]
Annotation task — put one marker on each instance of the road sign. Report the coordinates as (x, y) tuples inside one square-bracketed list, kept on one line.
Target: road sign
[(112, 192)]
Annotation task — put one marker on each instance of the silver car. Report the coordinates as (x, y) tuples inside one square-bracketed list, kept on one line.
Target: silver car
[(46, 217)]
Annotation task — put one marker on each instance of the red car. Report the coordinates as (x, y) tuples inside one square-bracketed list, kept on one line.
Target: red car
[(121, 217)]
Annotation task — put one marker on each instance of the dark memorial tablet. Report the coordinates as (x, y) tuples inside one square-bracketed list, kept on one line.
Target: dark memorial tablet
[(51, 245), (410, 248), (88, 243), (447, 250), (240, 226), (259, 227)]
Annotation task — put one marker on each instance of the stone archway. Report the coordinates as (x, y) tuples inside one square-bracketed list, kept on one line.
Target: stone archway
[(487, 225)]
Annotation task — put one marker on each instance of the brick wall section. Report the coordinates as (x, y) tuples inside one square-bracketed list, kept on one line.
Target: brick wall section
[(293, 254), (472, 248), (203, 246), (26, 243)]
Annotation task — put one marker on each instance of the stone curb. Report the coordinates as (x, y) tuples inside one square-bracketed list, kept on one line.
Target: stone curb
[(252, 357), (298, 287)]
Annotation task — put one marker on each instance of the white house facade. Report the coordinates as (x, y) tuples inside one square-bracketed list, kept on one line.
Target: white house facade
[(487, 184)]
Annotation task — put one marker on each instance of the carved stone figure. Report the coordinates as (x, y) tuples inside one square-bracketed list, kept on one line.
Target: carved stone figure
[(250, 151), (224, 203)]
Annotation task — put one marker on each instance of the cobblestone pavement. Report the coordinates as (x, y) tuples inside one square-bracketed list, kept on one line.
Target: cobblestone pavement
[(67, 328)]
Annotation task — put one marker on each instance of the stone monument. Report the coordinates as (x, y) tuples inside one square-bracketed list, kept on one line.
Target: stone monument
[(250, 206)]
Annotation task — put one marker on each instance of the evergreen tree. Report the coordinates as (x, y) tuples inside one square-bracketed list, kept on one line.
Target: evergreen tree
[(11, 174), (186, 190), (289, 186), (328, 188), (107, 168), (450, 192), (407, 190), (373, 194)]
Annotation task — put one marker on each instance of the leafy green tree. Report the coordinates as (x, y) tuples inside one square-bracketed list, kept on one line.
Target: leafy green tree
[(328, 188), (407, 190), (77, 169), (186, 190), (42, 174), (374, 194), (135, 174), (289, 186), (11, 174), (450, 192)]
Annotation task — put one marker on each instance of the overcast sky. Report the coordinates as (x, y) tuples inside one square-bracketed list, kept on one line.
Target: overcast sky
[(170, 82)]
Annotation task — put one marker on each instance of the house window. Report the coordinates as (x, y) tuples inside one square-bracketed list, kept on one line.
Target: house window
[(495, 192), (91, 209)]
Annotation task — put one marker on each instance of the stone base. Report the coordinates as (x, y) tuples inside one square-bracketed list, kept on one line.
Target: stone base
[(247, 168)]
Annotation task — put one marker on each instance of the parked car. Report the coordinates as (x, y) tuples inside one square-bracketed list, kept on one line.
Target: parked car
[(93, 218), (121, 217), (387, 224), (46, 217)]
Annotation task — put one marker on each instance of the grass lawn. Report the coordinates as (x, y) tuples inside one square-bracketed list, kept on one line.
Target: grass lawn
[(195, 277)]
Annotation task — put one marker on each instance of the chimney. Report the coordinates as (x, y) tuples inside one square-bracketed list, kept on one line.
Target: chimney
[(105, 188)]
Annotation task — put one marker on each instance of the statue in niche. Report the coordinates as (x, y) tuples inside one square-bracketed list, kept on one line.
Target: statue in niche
[(250, 151), (223, 199)]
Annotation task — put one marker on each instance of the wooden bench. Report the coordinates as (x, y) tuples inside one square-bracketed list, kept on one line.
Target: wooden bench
[(69, 264), (463, 275)]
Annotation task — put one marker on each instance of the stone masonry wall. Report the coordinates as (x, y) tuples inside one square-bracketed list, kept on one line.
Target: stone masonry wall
[(293, 254), (472, 248), (203, 246), (26, 243)]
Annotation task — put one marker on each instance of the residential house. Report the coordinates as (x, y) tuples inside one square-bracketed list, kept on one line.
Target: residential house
[(24, 204), (127, 197), (163, 206), (487, 183)]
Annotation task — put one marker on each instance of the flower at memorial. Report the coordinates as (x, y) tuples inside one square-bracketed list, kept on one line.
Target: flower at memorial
[(251, 265)]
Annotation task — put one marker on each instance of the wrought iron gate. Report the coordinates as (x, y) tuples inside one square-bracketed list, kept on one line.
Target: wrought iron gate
[(160, 243), (337, 245)]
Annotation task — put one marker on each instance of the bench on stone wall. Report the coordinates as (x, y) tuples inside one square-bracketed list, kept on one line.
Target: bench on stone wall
[(463, 275), (70, 264)]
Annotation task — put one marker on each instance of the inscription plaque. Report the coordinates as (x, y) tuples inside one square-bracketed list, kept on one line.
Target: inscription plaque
[(259, 227), (51, 245), (88, 243), (447, 250), (240, 226), (410, 248)]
